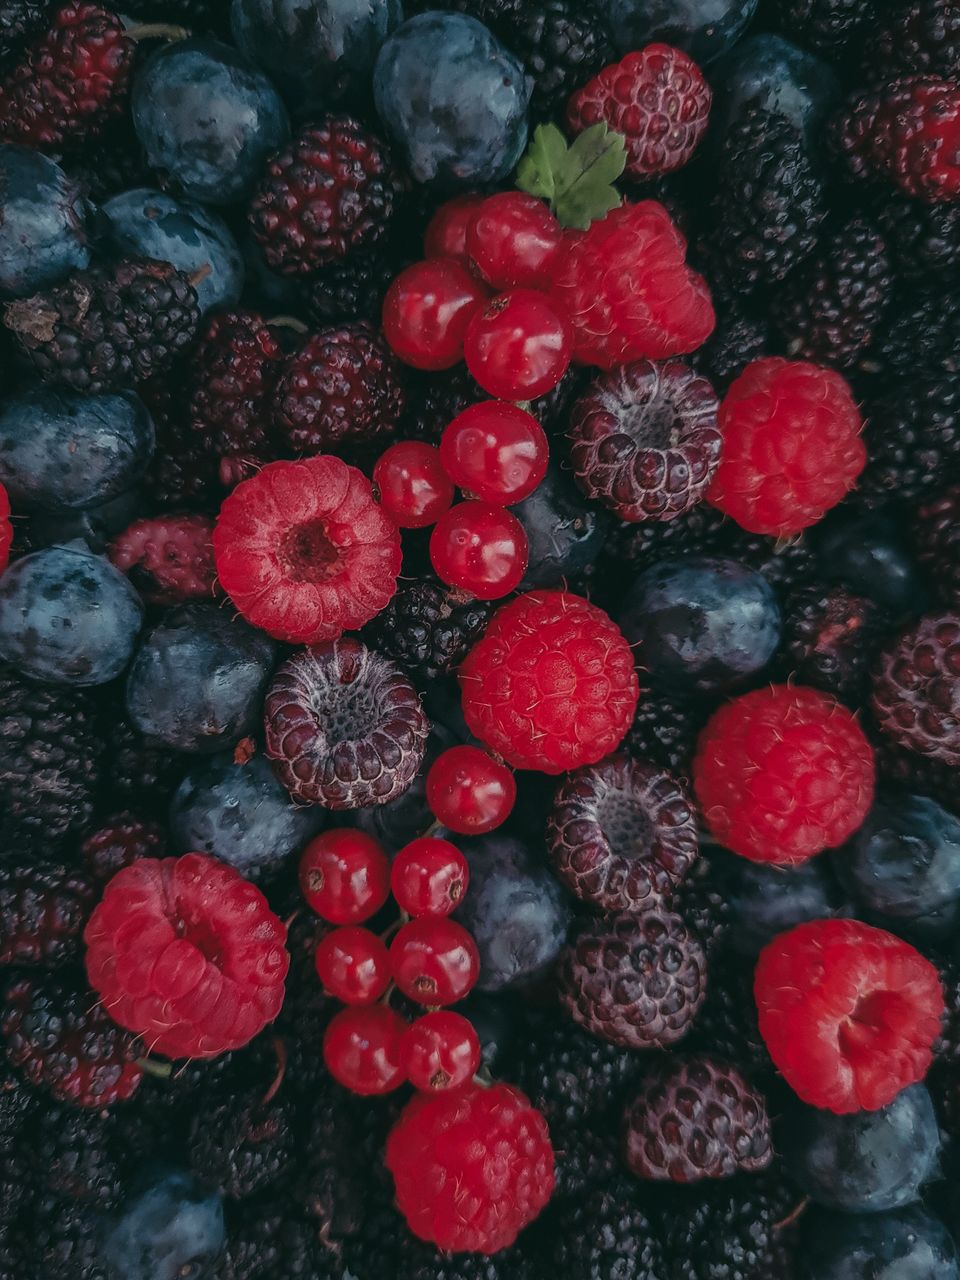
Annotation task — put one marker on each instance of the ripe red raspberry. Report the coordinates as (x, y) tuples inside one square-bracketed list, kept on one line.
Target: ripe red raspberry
[(551, 685), (782, 774), (657, 98), (791, 446), (625, 288), (849, 1013), (187, 954), (304, 552), (472, 1166), (6, 529), (168, 558)]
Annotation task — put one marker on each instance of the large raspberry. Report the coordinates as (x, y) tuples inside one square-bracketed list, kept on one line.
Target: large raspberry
[(168, 558), (552, 684), (304, 552), (916, 689), (188, 954), (472, 1167), (791, 446), (782, 774), (849, 1013)]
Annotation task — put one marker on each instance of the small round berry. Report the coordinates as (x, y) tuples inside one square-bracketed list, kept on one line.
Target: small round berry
[(429, 877), (434, 961), (441, 1050), (496, 451), (353, 964), (345, 876), (414, 488), (479, 548), (362, 1049), (469, 792), (427, 310), (518, 347), (514, 240), (446, 234)]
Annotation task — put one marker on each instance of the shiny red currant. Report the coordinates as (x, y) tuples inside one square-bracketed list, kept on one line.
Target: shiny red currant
[(414, 488), (469, 792), (362, 1048), (479, 548), (427, 310), (514, 240), (353, 964), (434, 960), (429, 877), (345, 876), (518, 347), (495, 451), (441, 1050), (446, 235)]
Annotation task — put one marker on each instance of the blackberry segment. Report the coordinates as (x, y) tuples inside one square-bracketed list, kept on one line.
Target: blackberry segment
[(920, 337), (198, 16), (78, 1156), (665, 731), (241, 1144), (19, 21), (434, 400), (122, 840), (702, 901), (65, 1241), (830, 26), (917, 774), (727, 1233), (726, 1027), (111, 162), (831, 637), (428, 629), (353, 288), (739, 338), (43, 908), (607, 1234), (923, 240), (274, 1242), (333, 1181), (913, 439), (937, 539), (919, 36), (136, 772), (183, 474)]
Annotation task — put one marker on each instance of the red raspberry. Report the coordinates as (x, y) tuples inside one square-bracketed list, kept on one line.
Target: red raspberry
[(657, 98), (849, 1013), (168, 558), (551, 685), (472, 1166), (187, 954), (625, 288), (6, 529), (304, 552), (782, 774), (791, 446)]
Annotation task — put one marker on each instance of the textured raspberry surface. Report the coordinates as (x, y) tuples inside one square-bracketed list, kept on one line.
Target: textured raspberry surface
[(472, 1168), (187, 954), (782, 774), (916, 689), (552, 684), (304, 552), (791, 446), (168, 558), (849, 1013)]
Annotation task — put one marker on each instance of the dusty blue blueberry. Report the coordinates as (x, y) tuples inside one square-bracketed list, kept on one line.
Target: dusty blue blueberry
[(705, 28), (767, 900), (171, 1229), (906, 1244), (564, 533), (42, 234), (779, 77)]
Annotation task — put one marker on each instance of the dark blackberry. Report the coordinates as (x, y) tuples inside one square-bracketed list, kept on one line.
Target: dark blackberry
[(43, 908), (830, 26), (701, 899), (726, 1027), (19, 21), (919, 36), (18, 1105), (182, 475), (77, 1155), (913, 439), (921, 336), (123, 839), (434, 400), (425, 1263), (784, 564), (353, 288), (242, 1144), (698, 531), (136, 772), (937, 538), (274, 1243), (428, 629), (923, 240), (831, 637), (333, 1175), (740, 337), (110, 162), (607, 1235), (665, 731), (917, 774), (728, 1232), (65, 1241)]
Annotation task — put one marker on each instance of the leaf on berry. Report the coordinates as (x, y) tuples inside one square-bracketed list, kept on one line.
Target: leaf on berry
[(577, 179)]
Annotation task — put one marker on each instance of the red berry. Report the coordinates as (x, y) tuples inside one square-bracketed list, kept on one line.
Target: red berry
[(362, 1049), (427, 310), (849, 1013), (415, 490), (441, 1050), (514, 240), (446, 234), (6, 529), (169, 557), (495, 451), (345, 875), (434, 960), (518, 347), (479, 548), (429, 877), (469, 792), (353, 965)]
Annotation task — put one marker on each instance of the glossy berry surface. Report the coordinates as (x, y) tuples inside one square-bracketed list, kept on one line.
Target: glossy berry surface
[(446, 234), (414, 488), (519, 346), (345, 876), (429, 877), (469, 792), (480, 548), (434, 961), (353, 965), (362, 1049), (441, 1050), (513, 239), (495, 451), (427, 311)]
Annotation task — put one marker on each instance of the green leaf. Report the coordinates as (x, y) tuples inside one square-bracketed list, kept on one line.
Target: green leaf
[(577, 179), (544, 160)]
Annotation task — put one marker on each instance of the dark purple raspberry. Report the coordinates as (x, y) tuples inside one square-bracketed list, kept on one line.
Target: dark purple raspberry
[(123, 839), (645, 440), (916, 689), (937, 537), (831, 637), (43, 908), (428, 629), (344, 727)]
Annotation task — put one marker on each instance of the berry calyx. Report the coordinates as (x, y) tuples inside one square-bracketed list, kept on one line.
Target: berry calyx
[(496, 451), (362, 1049), (479, 548), (427, 310), (353, 965), (414, 488), (518, 347), (446, 234), (345, 876), (441, 1050), (469, 792), (514, 240), (434, 961), (429, 877)]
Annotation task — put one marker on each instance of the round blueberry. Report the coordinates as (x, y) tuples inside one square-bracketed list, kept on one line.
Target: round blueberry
[(770, 72), (42, 236), (207, 118), (768, 900), (701, 624), (869, 553), (564, 533), (906, 1244), (704, 28), (60, 451), (68, 616), (173, 1229)]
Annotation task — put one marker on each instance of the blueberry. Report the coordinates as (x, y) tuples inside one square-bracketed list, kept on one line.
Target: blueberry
[(565, 534), (207, 118), (869, 553), (776, 75), (908, 1244), (705, 28), (42, 236), (151, 224), (517, 912), (453, 98), (60, 451), (68, 616), (767, 900), (198, 680), (701, 624), (240, 813), (870, 1161), (172, 1230), (96, 526)]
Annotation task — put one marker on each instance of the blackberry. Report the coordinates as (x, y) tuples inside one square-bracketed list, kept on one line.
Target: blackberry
[(665, 731), (937, 538), (726, 1233), (917, 774), (136, 771), (43, 908), (923, 240), (434, 400), (921, 336), (182, 474), (831, 637), (122, 840), (784, 564), (332, 1186), (701, 530), (199, 16), (831, 26), (913, 440), (607, 1235), (702, 901), (428, 629), (740, 337), (354, 287), (919, 36), (241, 1145), (110, 163), (19, 21), (273, 1243), (65, 1241), (727, 1027), (77, 1155)]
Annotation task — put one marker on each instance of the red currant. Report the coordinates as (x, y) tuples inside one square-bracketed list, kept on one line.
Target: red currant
[(414, 488), (480, 548), (429, 877), (345, 876), (353, 965), (469, 792), (496, 451), (434, 960), (518, 347), (362, 1048), (446, 235), (427, 310), (514, 239), (441, 1050)]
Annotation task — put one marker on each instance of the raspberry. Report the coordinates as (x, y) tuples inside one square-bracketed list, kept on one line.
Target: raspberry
[(782, 774), (472, 1166), (124, 839), (791, 446), (657, 98), (645, 440), (304, 552), (187, 954), (168, 558), (552, 684), (916, 689), (43, 909), (849, 1013), (344, 727), (625, 288)]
